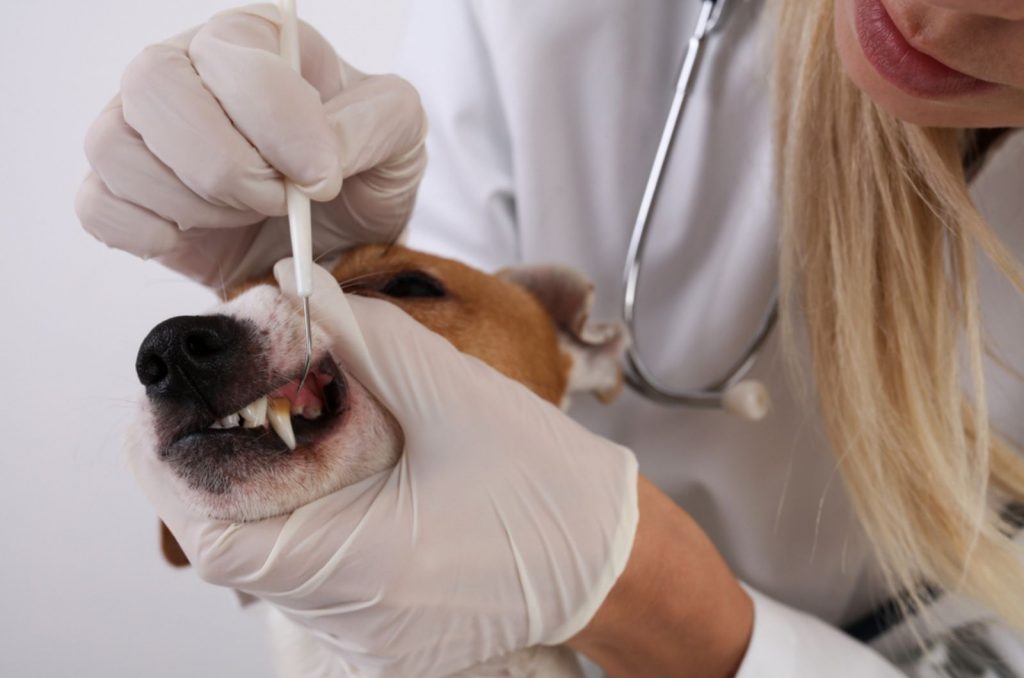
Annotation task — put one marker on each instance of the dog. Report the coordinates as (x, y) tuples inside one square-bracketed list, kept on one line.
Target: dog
[(224, 409)]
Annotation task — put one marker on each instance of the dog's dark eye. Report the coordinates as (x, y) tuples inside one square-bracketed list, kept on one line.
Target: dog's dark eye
[(413, 285)]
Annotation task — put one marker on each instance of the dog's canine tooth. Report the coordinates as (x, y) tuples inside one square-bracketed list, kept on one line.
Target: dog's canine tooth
[(280, 418), (255, 413)]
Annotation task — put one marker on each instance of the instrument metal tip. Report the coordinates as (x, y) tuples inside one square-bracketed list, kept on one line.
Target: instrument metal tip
[(309, 343)]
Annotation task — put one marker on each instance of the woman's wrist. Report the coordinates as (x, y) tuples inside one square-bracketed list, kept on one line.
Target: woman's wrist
[(676, 609)]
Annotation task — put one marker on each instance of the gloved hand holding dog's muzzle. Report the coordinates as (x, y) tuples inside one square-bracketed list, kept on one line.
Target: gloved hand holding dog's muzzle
[(503, 525)]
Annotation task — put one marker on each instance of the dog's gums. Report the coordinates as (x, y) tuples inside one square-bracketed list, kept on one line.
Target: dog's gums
[(320, 396)]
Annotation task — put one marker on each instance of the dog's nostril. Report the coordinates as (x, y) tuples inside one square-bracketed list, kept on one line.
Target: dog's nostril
[(151, 369)]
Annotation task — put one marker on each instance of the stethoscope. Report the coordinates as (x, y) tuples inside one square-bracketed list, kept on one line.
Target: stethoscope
[(747, 398)]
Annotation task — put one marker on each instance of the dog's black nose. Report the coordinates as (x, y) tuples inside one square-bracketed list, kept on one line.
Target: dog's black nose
[(190, 355)]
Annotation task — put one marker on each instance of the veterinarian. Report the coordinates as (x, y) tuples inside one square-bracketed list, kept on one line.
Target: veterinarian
[(859, 152)]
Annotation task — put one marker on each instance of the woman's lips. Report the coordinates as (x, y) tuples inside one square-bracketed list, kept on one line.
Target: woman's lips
[(912, 71)]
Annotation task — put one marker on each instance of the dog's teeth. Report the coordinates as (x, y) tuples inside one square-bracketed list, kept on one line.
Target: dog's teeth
[(255, 413), (216, 424), (230, 421), (312, 412), (279, 416)]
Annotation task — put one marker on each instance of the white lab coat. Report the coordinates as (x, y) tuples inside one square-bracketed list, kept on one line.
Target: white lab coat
[(544, 119)]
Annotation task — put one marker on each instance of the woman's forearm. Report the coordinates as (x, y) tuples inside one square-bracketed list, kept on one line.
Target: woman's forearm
[(676, 610)]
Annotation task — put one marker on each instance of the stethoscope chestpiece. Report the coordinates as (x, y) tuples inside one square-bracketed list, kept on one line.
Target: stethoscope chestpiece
[(748, 400)]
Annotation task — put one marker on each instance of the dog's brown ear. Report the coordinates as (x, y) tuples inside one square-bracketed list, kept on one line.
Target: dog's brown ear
[(171, 550), (595, 349)]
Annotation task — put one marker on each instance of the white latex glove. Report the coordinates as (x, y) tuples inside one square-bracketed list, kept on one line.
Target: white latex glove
[(503, 525), (188, 159)]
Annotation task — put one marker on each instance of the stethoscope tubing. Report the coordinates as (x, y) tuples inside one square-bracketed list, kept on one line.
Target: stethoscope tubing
[(638, 375)]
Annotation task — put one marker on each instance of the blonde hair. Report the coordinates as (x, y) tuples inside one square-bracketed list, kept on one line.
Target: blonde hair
[(879, 238)]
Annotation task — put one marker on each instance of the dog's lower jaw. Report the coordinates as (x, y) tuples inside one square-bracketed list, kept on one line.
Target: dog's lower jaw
[(364, 440)]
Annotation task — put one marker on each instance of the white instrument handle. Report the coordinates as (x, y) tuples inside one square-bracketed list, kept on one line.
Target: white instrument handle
[(300, 226)]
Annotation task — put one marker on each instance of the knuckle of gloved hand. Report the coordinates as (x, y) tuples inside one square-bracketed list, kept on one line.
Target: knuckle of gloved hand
[(218, 178), (225, 563), (103, 136), (142, 73), (257, 15), (408, 99), (88, 208), (93, 208), (402, 88), (319, 168), (230, 566), (210, 571), (254, 26)]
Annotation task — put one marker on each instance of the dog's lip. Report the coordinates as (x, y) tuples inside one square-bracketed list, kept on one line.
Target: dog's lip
[(334, 403)]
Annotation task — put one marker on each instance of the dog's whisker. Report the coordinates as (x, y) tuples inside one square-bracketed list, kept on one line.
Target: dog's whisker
[(120, 402), (357, 278), (393, 237), (184, 282), (326, 253), (223, 283)]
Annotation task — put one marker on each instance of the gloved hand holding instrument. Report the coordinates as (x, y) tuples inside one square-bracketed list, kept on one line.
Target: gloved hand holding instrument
[(189, 159)]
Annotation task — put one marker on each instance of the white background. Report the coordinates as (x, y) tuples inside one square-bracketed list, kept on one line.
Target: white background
[(83, 589)]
